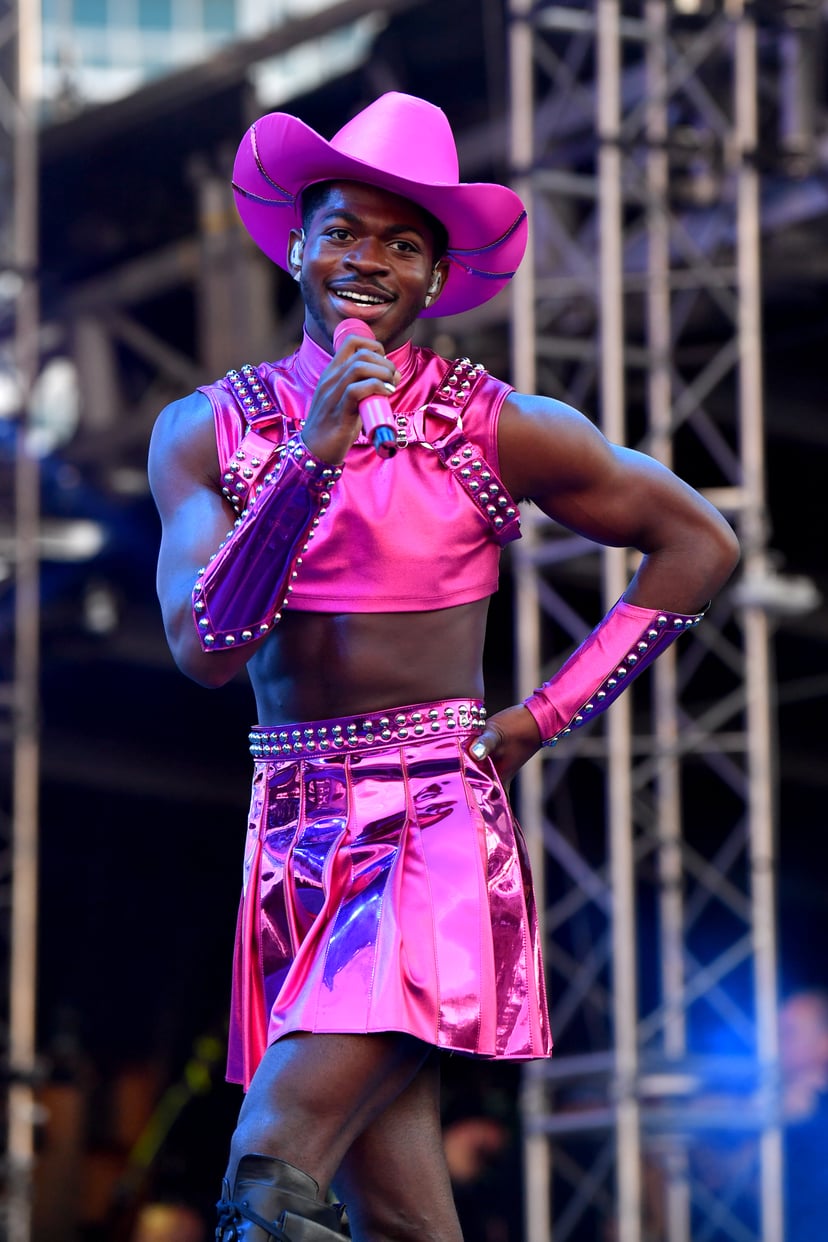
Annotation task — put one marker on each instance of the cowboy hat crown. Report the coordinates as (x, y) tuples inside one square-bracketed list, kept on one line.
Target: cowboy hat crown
[(398, 143)]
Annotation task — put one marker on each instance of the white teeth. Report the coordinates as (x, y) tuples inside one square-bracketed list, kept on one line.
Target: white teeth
[(359, 297)]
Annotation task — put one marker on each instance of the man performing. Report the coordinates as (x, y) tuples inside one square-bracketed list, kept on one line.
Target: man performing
[(387, 907)]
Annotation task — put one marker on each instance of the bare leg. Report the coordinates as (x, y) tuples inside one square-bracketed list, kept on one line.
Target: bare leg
[(312, 1095), (394, 1177)]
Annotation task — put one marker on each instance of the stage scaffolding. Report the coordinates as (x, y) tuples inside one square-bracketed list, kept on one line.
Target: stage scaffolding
[(634, 137), (19, 57)]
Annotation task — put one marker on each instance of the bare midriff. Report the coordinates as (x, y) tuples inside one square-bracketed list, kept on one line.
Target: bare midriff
[(318, 665)]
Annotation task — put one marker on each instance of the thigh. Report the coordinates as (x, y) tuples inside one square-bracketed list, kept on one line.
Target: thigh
[(394, 1177), (314, 1094)]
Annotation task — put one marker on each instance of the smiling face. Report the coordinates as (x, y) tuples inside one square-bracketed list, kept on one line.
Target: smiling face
[(368, 255)]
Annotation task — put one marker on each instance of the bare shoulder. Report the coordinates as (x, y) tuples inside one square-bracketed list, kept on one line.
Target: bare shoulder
[(543, 413), (545, 443), (183, 444)]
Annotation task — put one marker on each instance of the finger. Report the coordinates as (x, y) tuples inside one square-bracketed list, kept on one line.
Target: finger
[(483, 745)]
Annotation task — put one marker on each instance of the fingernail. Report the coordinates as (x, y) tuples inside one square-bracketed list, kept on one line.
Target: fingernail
[(389, 388), (478, 750)]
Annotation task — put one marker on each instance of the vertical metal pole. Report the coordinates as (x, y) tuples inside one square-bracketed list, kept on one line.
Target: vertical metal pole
[(755, 621), (665, 691), (624, 993), (536, 1154), (23, 966)]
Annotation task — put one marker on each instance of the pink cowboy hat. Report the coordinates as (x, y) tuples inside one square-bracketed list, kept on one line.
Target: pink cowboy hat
[(401, 144)]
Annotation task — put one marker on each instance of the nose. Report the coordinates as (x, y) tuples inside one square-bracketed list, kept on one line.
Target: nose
[(367, 254)]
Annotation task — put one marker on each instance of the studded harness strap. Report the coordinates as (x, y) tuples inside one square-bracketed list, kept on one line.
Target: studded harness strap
[(257, 453)]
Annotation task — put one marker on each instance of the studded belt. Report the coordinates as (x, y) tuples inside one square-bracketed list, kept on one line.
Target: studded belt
[(343, 733)]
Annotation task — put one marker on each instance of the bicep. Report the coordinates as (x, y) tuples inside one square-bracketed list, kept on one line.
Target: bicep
[(608, 493), (183, 472)]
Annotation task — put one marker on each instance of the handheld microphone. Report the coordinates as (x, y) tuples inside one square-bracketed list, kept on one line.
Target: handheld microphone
[(375, 412)]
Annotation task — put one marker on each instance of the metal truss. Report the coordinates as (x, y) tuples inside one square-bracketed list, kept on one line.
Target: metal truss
[(634, 135), (19, 56)]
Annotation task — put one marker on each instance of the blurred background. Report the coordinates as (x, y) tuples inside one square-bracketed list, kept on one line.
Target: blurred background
[(126, 280)]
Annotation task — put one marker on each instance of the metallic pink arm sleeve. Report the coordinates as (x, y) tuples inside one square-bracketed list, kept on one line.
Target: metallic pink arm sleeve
[(618, 649), (238, 596)]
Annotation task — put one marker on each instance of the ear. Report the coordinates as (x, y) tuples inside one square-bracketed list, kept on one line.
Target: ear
[(296, 246), (438, 279)]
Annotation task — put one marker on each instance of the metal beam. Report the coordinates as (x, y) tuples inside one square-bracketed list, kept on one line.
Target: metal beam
[(21, 23), (635, 256)]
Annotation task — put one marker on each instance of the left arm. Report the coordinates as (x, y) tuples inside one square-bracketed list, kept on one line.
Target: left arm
[(552, 455)]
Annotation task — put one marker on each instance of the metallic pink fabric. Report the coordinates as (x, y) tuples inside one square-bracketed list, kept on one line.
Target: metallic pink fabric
[(382, 546), (238, 595), (386, 888), (620, 647)]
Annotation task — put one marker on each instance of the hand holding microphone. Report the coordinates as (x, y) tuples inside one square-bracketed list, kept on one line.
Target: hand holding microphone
[(375, 412)]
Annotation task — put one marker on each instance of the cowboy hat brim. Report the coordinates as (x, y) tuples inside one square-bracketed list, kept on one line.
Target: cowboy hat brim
[(280, 156)]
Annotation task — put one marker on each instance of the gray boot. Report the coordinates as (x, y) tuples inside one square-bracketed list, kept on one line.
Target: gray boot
[(272, 1201)]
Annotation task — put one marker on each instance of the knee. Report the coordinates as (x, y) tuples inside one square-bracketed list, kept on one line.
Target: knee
[(387, 1223)]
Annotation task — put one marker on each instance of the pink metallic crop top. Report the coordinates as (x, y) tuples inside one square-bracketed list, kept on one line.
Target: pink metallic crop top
[(414, 532)]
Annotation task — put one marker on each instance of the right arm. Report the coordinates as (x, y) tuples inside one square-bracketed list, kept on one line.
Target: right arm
[(195, 517)]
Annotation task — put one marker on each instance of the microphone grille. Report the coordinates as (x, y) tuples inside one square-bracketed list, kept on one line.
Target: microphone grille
[(351, 327)]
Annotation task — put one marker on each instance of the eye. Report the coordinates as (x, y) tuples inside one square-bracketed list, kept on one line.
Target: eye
[(337, 233), (405, 246)]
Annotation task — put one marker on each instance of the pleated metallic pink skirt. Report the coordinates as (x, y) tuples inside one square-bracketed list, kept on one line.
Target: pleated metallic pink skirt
[(386, 888)]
